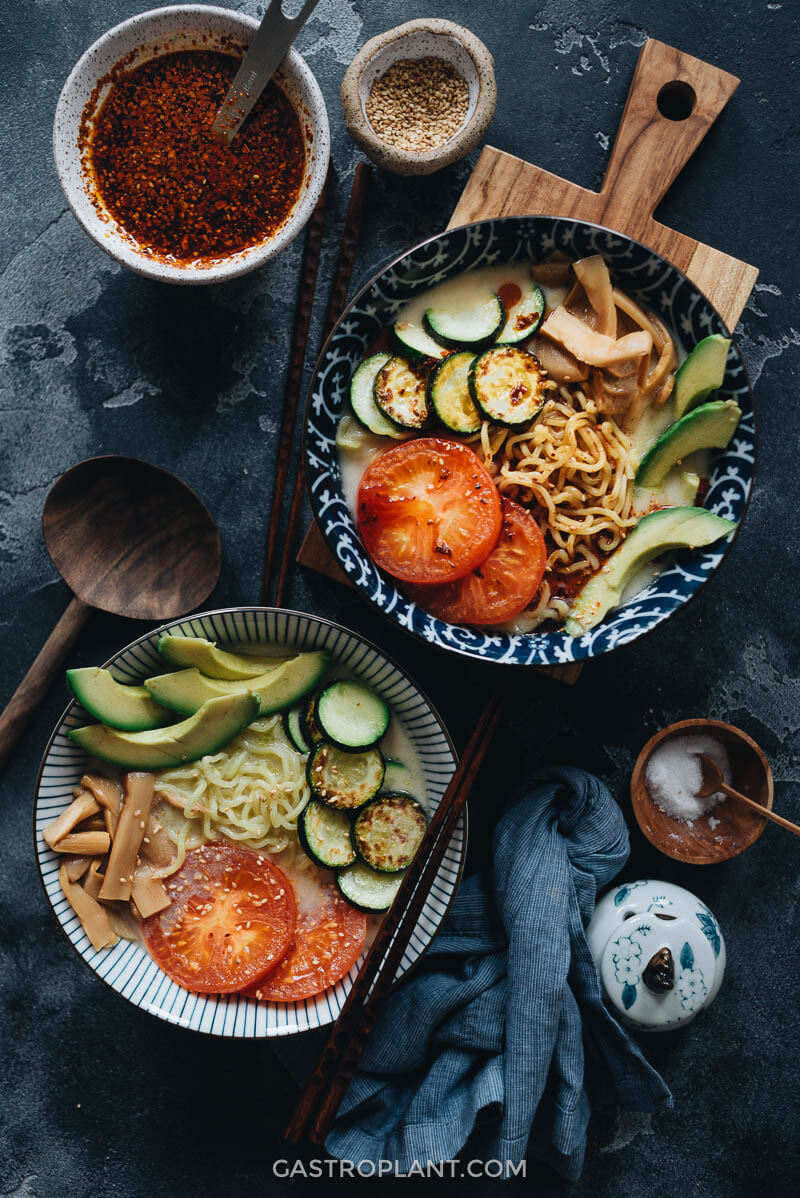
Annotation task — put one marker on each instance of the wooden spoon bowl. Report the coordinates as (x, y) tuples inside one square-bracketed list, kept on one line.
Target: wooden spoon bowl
[(128, 538), (738, 826), (131, 539)]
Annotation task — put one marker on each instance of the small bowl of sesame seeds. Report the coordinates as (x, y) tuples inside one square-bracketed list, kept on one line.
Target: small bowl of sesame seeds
[(419, 96)]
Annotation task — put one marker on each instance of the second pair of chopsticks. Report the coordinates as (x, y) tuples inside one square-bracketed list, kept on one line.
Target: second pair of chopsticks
[(319, 1102), (305, 301)]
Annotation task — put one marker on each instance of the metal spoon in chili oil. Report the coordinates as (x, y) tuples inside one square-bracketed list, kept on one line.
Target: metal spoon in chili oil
[(273, 38)]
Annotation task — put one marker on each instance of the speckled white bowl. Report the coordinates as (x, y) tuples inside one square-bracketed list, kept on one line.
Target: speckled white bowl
[(183, 27), (423, 38)]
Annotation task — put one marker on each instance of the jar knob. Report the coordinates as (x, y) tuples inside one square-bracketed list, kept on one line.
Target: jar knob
[(659, 972)]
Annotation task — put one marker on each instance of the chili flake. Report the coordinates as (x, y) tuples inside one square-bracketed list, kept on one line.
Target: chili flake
[(181, 195)]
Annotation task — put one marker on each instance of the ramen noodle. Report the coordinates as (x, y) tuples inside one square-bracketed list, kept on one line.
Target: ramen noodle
[(608, 369), (576, 472), (251, 792)]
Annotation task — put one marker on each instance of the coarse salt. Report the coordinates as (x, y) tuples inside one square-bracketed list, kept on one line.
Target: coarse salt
[(674, 776)]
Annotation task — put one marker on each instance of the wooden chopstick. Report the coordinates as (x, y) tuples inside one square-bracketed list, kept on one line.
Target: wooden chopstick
[(319, 1102), (336, 305), (302, 320)]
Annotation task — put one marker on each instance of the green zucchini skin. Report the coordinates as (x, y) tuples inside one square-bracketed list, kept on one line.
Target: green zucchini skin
[(366, 889), (415, 344), (344, 780), (387, 832), (351, 716), (310, 727), (524, 317), (449, 394), (325, 836), (362, 397), (399, 393), (508, 386), (293, 728), (469, 329)]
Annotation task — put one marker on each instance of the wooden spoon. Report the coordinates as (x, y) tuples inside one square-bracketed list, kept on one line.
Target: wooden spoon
[(731, 827), (127, 538), (713, 782)]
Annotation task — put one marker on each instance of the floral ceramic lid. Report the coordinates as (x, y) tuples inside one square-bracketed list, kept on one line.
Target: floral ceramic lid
[(660, 953)]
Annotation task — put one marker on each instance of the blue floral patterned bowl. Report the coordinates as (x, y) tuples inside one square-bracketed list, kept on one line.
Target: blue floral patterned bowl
[(644, 275)]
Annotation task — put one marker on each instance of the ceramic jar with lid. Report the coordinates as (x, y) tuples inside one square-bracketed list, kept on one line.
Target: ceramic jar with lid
[(660, 953)]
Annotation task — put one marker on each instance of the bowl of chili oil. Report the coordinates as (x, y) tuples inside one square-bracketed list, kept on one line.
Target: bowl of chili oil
[(139, 167)]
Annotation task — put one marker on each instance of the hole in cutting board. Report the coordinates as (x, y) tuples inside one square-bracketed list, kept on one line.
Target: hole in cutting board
[(676, 100)]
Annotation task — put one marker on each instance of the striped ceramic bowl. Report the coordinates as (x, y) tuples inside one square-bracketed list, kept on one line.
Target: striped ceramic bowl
[(127, 967)]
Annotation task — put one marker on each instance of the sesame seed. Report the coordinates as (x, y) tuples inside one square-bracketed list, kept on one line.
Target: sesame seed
[(418, 104)]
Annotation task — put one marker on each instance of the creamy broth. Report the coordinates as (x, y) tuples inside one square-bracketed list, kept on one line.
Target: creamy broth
[(462, 291), (353, 463), (396, 745)]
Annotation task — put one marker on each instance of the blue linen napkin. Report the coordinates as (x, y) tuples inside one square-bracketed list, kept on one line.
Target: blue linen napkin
[(504, 1025)]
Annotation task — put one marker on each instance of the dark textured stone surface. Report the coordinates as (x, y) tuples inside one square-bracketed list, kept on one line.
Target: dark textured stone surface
[(97, 1097)]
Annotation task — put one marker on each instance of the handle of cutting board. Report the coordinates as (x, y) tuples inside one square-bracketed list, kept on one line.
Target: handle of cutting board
[(651, 148)]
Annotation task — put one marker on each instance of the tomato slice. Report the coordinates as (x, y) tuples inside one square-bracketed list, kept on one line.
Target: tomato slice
[(428, 510), (231, 918), (328, 940), (502, 586)]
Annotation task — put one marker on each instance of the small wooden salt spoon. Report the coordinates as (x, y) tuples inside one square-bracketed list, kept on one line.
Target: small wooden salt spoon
[(713, 782)]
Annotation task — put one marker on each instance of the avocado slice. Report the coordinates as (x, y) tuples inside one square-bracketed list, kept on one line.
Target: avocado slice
[(669, 528), (130, 708), (701, 373), (710, 426), (214, 662), (187, 690), (207, 731)]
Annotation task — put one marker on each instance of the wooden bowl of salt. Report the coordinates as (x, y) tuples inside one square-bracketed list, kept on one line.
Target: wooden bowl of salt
[(669, 813)]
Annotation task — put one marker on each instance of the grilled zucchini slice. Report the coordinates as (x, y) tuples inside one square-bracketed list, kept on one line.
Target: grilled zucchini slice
[(414, 343), (350, 716), (400, 394), (469, 327), (366, 889), (293, 727), (344, 780), (448, 393), (309, 726), (362, 397), (508, 385), (325, 836), (524, 317), (388, 831)]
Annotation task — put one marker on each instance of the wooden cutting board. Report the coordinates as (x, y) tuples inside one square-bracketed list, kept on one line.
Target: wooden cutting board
[(672, 103)]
